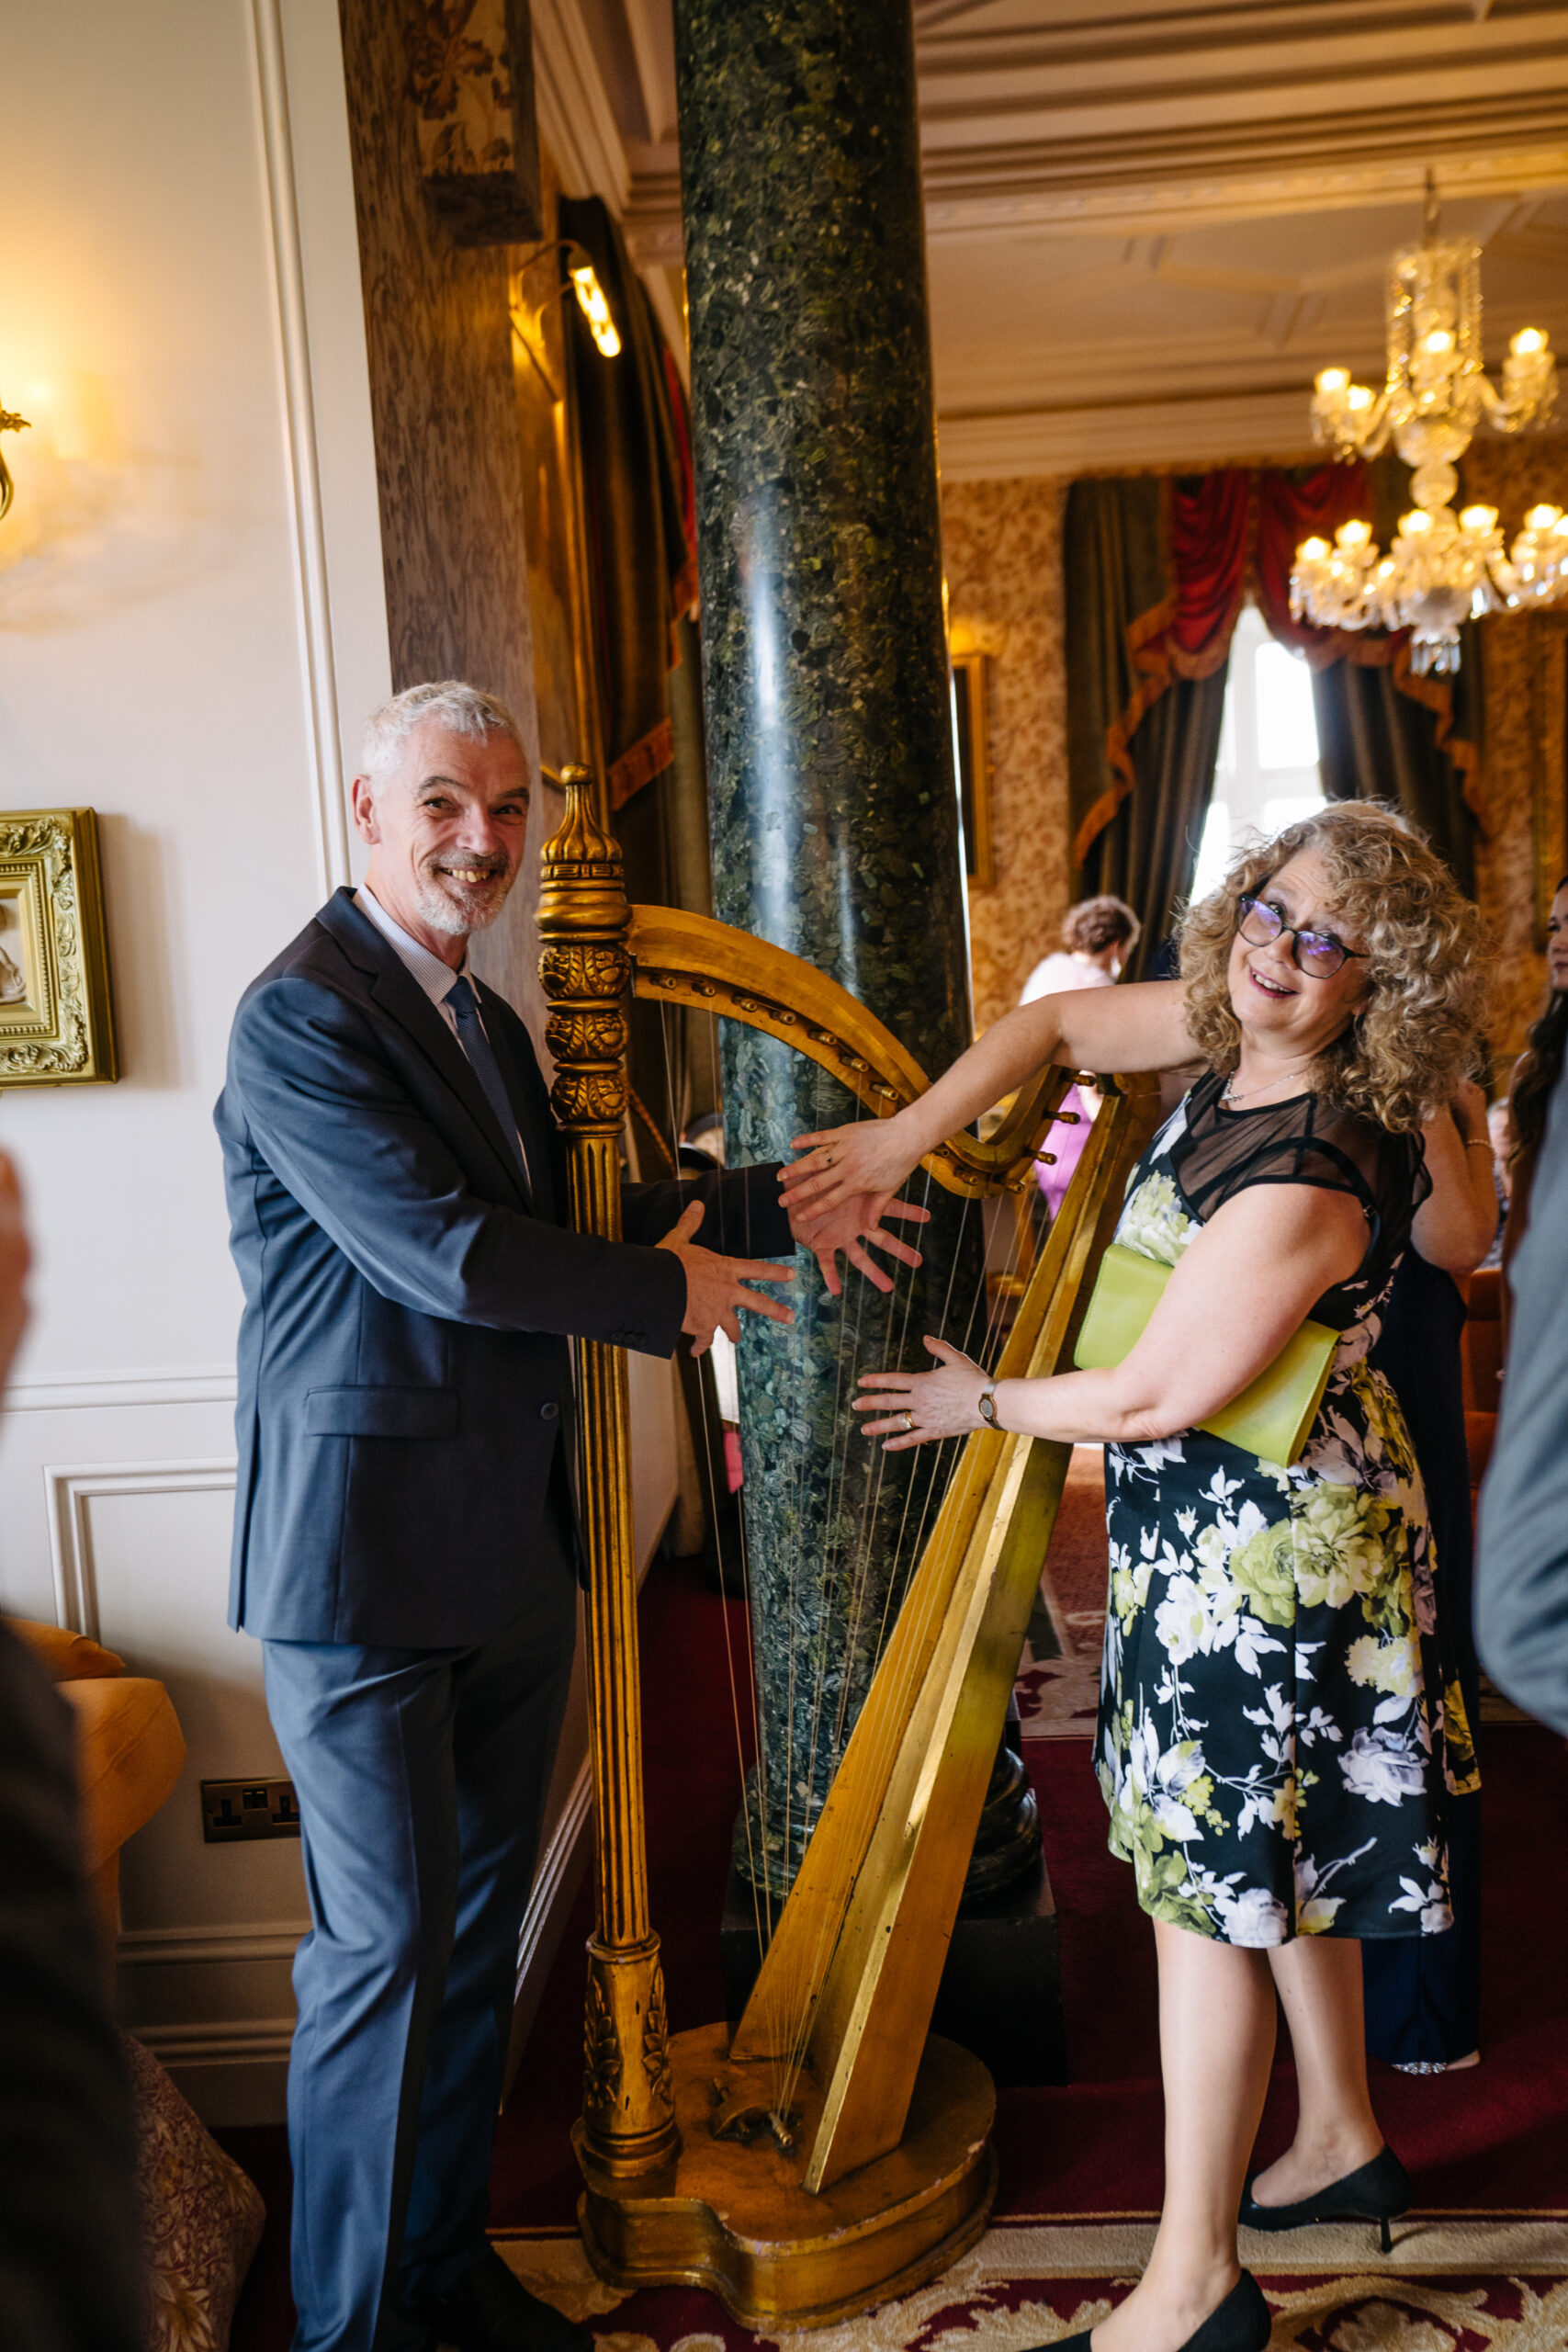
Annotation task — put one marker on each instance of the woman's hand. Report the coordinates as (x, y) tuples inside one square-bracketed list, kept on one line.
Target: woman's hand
[(945, 1403), (865, 1163)]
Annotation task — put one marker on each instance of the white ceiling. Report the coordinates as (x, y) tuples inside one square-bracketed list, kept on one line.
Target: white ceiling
[(1149, 226)]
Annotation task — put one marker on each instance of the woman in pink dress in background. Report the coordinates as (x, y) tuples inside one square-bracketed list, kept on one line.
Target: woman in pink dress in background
[(1098, 937)]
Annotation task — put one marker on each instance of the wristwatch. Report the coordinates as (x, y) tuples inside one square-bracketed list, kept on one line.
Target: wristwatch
[(988, 1408)]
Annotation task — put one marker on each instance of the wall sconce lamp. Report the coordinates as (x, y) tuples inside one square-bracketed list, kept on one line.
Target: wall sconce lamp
[(591, 297), (11, 422)]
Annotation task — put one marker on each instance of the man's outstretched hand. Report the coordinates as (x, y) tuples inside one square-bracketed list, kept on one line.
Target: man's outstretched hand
[(853, 1225), (717, 1288)]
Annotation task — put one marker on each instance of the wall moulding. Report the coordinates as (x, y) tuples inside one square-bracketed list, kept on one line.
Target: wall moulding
[(227, 2042), (83, 1391), (318, 664), (1226, 429), (70, 1490), (196, 1947)]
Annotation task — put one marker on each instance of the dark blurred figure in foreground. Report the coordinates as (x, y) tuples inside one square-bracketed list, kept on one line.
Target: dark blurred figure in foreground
[(1522, 1548), (71, 2275)]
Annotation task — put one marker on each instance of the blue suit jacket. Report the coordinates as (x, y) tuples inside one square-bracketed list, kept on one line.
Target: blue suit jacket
[(405, 1377)]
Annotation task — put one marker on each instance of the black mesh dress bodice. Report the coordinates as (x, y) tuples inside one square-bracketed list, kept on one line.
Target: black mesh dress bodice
[(1307, 1140)]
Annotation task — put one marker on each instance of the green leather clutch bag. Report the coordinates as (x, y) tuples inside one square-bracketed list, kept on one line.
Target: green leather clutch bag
[(1272, 1416)]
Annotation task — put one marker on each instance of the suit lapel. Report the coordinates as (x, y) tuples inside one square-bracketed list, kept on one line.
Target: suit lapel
[(399, 996)]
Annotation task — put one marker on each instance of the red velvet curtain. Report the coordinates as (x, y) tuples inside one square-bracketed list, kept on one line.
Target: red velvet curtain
[(1223, 533)]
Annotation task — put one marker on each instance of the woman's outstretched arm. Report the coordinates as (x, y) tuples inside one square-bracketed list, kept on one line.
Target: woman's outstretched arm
[(1139, 1027)]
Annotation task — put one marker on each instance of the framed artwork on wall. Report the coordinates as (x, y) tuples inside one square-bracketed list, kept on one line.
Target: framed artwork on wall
[(969, 683), (56, 1016)]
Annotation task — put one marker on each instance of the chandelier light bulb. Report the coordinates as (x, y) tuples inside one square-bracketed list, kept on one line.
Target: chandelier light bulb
[(1442, 566)]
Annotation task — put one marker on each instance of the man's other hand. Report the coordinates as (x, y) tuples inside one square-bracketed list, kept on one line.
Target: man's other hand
[(717, 1287), (15, 1258)]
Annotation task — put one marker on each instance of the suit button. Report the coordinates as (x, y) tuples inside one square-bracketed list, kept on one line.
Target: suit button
[(549, 1410)]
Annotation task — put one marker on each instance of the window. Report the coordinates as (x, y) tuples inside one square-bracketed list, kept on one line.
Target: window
[(1266, 776)]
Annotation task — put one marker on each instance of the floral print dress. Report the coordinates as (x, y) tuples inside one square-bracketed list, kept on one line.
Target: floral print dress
[(1277, 1734)]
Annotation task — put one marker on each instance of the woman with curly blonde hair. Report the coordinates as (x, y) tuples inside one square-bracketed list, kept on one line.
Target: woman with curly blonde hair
[(1278, 1738)]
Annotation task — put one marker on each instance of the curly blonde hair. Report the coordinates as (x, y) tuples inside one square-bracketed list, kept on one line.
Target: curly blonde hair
[(1415, 1036)]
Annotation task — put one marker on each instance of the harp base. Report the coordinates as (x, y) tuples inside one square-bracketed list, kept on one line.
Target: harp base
[(731, 2215)]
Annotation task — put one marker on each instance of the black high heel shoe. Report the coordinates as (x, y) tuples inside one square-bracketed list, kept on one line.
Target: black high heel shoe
[(1378, 2191), (1243, 2322)]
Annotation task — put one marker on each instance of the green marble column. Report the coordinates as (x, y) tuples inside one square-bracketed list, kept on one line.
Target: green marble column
[(835, 828)]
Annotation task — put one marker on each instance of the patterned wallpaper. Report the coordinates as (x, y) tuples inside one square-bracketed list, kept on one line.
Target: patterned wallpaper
[(456, 489), (1002, 550), (1525, 665)]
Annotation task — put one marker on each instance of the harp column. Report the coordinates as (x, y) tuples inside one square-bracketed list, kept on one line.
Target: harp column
[(835, 826), (629, 2112)]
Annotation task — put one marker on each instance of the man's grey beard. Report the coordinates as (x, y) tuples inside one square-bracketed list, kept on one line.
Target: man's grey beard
[(456, 922)]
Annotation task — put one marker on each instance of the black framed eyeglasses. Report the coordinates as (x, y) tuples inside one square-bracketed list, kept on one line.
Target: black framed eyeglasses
[(1316, 952)]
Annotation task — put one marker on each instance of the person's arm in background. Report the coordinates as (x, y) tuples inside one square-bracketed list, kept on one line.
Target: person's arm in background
[(1455, 1224), (1522, 1540), (71, 2261)]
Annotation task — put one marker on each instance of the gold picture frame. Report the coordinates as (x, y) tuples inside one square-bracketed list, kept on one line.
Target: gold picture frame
[(56, 1014), (974, 751)]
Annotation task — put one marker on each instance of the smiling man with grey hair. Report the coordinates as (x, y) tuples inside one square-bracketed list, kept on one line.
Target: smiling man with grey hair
[(403, 1540)]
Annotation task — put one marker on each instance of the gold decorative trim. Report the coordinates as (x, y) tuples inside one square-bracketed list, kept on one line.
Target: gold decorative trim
[(56, 1018), (683, 958)]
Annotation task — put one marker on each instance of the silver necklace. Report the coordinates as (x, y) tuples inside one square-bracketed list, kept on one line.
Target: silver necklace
[(1231, 1096)]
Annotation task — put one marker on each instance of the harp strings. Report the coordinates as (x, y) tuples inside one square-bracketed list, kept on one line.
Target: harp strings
[(927, 1601), (791, 2008)]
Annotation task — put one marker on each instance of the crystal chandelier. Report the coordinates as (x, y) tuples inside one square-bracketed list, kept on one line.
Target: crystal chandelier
[(1442, 566)]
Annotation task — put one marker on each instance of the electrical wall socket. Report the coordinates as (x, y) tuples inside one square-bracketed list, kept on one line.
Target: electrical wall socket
[(232, 1810)]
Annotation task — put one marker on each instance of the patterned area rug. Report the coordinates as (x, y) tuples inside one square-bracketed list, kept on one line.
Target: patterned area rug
[(1454, 2283)]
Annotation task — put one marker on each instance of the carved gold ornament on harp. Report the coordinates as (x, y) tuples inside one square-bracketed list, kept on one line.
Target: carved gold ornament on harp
[(831, 2152)]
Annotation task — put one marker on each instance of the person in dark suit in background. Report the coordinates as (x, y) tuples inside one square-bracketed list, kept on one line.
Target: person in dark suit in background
[(1522, 1536), (403, 1539), (73, 2275)]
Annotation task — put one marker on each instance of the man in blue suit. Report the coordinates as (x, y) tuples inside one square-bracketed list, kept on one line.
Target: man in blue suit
[(403, 1539)]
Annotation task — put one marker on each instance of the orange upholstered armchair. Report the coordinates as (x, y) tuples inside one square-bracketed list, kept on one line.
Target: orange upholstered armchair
[(130, 1751)]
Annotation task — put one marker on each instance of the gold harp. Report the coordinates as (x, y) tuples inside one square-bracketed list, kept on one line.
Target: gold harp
[(879, 2172)]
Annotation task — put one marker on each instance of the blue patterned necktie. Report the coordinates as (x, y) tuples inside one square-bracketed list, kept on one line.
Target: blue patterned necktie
[(465, 1006)]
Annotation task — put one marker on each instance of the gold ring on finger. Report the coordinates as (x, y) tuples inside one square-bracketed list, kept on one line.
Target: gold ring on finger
[(910, 1422)]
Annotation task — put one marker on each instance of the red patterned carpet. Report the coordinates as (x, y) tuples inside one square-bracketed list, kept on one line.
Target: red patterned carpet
[(1484, 2262)]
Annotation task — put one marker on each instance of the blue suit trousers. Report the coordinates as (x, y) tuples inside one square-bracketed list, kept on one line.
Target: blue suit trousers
[(421, 1776)]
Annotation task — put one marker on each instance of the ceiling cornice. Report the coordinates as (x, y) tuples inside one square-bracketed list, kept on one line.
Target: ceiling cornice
[(1247, 172), (1161, 432), (576, 119)]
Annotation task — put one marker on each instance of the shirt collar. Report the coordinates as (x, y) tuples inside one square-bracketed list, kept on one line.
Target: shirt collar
[(435, 978)]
